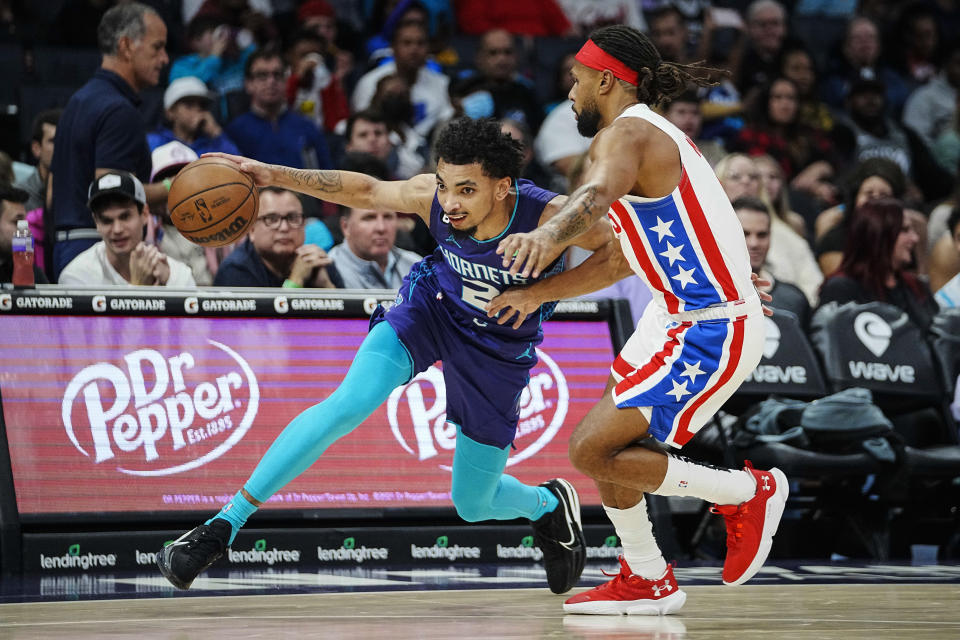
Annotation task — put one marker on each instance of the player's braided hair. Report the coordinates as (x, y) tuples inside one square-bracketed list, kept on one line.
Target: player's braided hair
[(465, 141), (657, 80)]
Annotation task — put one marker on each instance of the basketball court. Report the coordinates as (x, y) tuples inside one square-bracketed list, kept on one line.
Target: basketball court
[(822, 601)]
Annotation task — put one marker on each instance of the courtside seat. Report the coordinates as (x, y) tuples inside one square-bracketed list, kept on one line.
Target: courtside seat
[(939, 461), (877, 347), (795, 461), (945, 339), (943, 459), (789, 367)]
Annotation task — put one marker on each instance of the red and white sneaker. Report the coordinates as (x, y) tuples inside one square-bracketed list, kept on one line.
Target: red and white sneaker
[(631, 595), (751, 525)]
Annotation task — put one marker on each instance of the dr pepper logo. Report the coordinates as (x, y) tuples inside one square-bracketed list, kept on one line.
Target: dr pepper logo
[(417, 413), (158, 414)]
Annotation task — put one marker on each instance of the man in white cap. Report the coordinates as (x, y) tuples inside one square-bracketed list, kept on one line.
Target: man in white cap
[(168, 159), (119, 206), (186, 104)]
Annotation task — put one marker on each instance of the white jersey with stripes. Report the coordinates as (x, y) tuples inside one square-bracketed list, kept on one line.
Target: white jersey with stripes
[(687, 246)]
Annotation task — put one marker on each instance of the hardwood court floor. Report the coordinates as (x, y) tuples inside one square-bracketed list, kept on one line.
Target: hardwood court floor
[(771, 612)]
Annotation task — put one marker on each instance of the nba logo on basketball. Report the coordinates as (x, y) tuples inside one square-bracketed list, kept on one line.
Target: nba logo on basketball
[(160, 414), (417, 413), (202, 209)]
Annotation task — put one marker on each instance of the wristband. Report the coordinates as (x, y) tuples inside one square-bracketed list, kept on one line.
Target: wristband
[(166, 184), (290, 284)]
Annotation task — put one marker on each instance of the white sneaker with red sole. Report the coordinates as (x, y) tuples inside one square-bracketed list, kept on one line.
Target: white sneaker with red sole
[(629, 594), (752, 524)]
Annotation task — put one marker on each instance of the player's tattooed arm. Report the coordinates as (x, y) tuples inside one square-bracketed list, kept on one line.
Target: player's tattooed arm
[(361, 191), (612, 172), (577, 215), (604, 267), (346, 188), (322, 182)]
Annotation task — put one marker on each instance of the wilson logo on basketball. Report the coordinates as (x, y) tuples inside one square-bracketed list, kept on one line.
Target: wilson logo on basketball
[(158, 414), (417, 413), (212, 202)]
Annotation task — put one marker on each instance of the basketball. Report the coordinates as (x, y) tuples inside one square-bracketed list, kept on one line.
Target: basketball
[(212, 203)]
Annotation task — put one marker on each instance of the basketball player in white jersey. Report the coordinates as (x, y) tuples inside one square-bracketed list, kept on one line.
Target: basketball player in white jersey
[(697, 341)]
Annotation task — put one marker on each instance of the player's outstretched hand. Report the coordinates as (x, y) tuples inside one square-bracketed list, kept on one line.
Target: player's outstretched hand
[(764, 296), (528, 253), (261, 173), (515, 302)]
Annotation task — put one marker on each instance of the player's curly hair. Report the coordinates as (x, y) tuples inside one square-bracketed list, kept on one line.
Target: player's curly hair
[(465, 141), (657, 80)]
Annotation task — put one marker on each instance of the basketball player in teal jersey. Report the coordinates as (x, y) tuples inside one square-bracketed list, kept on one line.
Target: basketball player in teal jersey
[(472, 202)]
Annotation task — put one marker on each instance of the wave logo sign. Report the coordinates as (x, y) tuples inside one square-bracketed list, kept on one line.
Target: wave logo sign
[(873, 331), (160, 415), (771, 340), (417, 413)]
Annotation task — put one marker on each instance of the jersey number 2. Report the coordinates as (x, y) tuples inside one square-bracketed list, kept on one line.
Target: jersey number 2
[(477, 294)]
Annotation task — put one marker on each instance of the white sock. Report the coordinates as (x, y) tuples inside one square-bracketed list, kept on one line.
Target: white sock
[(636, 534), (713, 484)]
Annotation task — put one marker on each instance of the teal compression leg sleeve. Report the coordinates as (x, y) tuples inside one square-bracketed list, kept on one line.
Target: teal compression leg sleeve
[(382, 363), (482, 491)]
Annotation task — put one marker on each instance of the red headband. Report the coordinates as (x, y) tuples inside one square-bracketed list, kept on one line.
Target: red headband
[(590, 55)]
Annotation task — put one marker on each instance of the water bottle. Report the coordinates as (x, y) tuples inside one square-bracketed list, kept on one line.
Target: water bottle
[(23, 255)]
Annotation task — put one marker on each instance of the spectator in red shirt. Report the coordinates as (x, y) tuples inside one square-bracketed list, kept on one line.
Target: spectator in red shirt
[(529, 18), (313, 89)]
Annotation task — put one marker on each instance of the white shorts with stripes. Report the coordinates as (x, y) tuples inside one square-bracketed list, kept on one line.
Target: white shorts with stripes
[(679, 369)]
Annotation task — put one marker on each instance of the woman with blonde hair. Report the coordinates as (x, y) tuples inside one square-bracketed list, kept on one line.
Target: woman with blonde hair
[(773, 189), (790, 258)]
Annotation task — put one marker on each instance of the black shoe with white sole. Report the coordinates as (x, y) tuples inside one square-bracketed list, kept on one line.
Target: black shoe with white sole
[(559, 534), (188, 556)]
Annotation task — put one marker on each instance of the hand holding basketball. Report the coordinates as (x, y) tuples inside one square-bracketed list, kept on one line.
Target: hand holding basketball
[(262, 174), (212, 202)]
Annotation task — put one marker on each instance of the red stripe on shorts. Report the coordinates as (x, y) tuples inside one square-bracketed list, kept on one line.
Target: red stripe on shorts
[(683, 435), (655, 362), (622, 367)]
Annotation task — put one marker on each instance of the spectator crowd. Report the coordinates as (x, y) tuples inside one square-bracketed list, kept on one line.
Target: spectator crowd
[(833, 127)]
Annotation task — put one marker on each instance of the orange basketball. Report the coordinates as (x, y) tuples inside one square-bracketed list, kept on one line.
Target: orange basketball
[(212, 202)]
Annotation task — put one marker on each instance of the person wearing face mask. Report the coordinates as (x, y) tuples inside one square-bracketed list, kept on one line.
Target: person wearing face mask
[(876, 259), (504, 92)]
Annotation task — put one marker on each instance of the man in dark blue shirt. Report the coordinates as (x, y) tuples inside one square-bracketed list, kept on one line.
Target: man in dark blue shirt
[(270, 132), (101, 129)]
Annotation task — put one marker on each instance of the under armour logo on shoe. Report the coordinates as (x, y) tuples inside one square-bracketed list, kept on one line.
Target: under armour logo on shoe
[(666, 587), (766, 483)]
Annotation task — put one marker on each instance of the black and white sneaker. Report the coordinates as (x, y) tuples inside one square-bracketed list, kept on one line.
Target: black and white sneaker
[(185, 558), (559, 534)]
